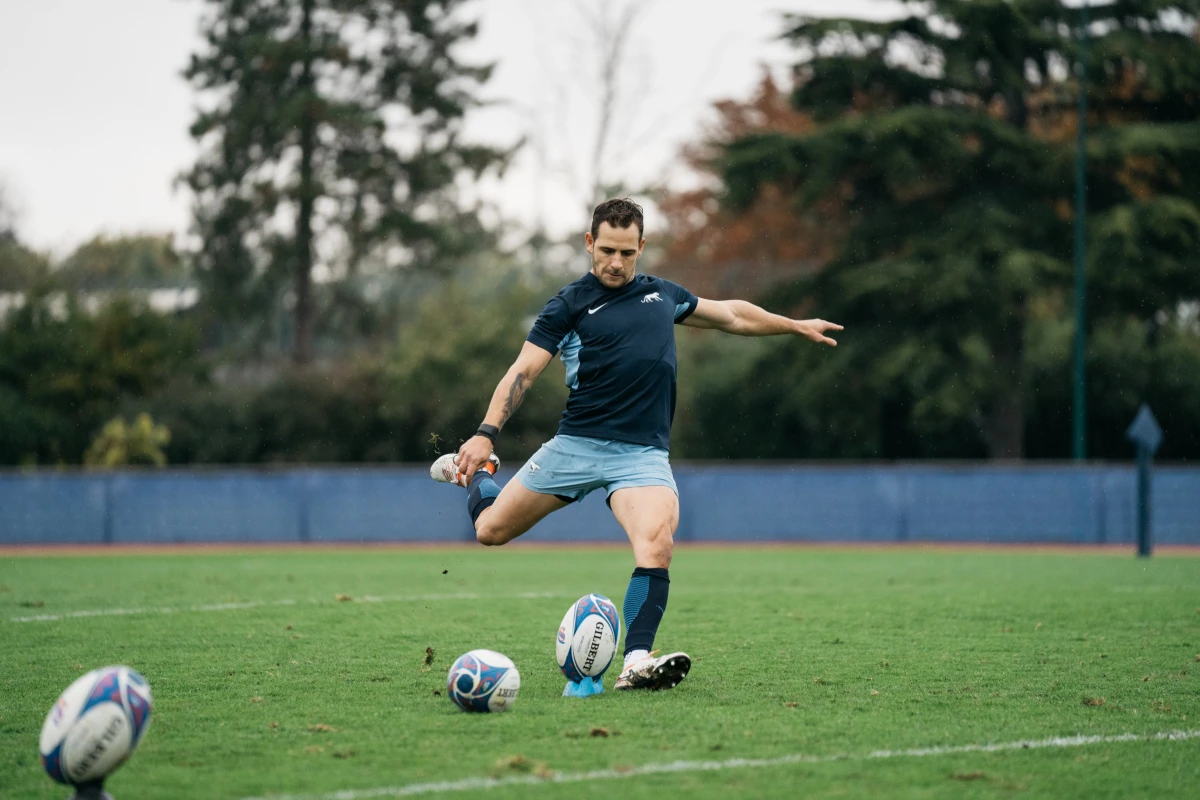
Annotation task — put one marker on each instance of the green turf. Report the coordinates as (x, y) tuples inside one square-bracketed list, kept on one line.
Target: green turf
[(796, 651)]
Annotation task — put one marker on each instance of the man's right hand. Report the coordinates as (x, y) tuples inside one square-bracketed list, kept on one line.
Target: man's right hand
[(473, 454)]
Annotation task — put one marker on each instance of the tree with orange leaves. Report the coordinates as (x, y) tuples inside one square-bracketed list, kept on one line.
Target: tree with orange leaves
[(719, 251), (921, 171)]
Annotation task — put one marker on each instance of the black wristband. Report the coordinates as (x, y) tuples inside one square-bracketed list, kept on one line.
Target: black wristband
[(490, 431)]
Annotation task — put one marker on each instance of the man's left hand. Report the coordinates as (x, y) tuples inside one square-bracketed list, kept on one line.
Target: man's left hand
[(815, 329)]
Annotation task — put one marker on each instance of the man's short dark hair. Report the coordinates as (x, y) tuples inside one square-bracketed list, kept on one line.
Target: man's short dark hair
[(620, 212)]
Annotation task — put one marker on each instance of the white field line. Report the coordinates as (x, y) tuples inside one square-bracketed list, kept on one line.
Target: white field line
[(395, 598), (476, 784), (398, 598)]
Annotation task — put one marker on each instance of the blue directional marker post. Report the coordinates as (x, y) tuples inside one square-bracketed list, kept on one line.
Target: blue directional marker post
[(1145, 433)]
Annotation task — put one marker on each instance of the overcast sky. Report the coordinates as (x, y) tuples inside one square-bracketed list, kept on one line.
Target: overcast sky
[(94, 113)]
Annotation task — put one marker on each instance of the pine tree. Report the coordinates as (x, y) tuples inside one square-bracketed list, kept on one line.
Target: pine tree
[(330, 133), (946, 142)]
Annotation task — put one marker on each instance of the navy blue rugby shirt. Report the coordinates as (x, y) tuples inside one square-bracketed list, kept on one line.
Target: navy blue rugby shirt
[(618, 346)]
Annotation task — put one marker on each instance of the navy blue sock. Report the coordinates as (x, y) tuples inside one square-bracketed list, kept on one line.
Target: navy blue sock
[(483, 492), (645, 602)]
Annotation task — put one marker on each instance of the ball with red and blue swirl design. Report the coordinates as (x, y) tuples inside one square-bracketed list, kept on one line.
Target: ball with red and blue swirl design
[(95, 725), (483, 680), (587, 639)]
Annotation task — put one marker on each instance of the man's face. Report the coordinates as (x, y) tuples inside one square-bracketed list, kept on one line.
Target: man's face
[(615, 253)]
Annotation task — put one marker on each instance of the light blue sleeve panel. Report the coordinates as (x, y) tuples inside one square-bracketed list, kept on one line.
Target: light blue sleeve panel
[(570, 347), (685, 301)]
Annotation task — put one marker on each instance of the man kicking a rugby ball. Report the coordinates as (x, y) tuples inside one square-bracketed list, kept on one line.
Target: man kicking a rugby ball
[(615, 332)]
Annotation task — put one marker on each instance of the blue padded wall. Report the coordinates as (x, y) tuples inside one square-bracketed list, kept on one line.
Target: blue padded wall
[(49, 507), (400, 505), (789, 503), (224, 506), (1030, 504), (754, 502), (1176, 517)]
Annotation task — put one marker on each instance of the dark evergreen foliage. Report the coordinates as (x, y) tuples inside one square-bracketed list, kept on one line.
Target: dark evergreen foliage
[(330, 135), (947, 141), (64, 371)]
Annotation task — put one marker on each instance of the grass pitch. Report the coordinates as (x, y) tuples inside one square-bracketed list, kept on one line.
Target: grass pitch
[(305, 673)]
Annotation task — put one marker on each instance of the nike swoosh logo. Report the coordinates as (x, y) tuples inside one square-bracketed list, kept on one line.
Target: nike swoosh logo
[(597, 308)]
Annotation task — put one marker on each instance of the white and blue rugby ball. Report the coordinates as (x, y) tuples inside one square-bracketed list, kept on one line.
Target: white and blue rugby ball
[(95, 725), (587, 639), (483, 680)]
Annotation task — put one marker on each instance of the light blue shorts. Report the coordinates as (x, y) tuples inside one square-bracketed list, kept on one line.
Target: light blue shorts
[(571, 467)]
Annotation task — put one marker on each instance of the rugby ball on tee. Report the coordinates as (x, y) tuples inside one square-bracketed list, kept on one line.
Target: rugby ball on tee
[(587, 638), (95, 725), (483, 680)]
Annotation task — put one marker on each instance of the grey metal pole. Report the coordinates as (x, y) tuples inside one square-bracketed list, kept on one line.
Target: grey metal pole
[(1145, 433), (1143, 501), (1079, 409)]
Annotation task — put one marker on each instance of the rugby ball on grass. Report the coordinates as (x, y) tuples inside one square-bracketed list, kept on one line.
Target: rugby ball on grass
[(587, 638), (483, 680), (95, 725)]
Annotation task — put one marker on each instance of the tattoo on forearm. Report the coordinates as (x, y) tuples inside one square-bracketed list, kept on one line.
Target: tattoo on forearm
[(516, 393)]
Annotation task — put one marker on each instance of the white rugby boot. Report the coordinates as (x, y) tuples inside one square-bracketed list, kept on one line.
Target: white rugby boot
[(445, 469), (653, 673)]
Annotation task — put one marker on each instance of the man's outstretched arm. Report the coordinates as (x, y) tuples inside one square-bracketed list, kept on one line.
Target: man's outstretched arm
[(747, 319), (505, 402)]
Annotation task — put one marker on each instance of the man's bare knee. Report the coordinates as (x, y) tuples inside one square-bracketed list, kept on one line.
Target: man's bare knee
[(515, 511), (655, 551), (490, 535)]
